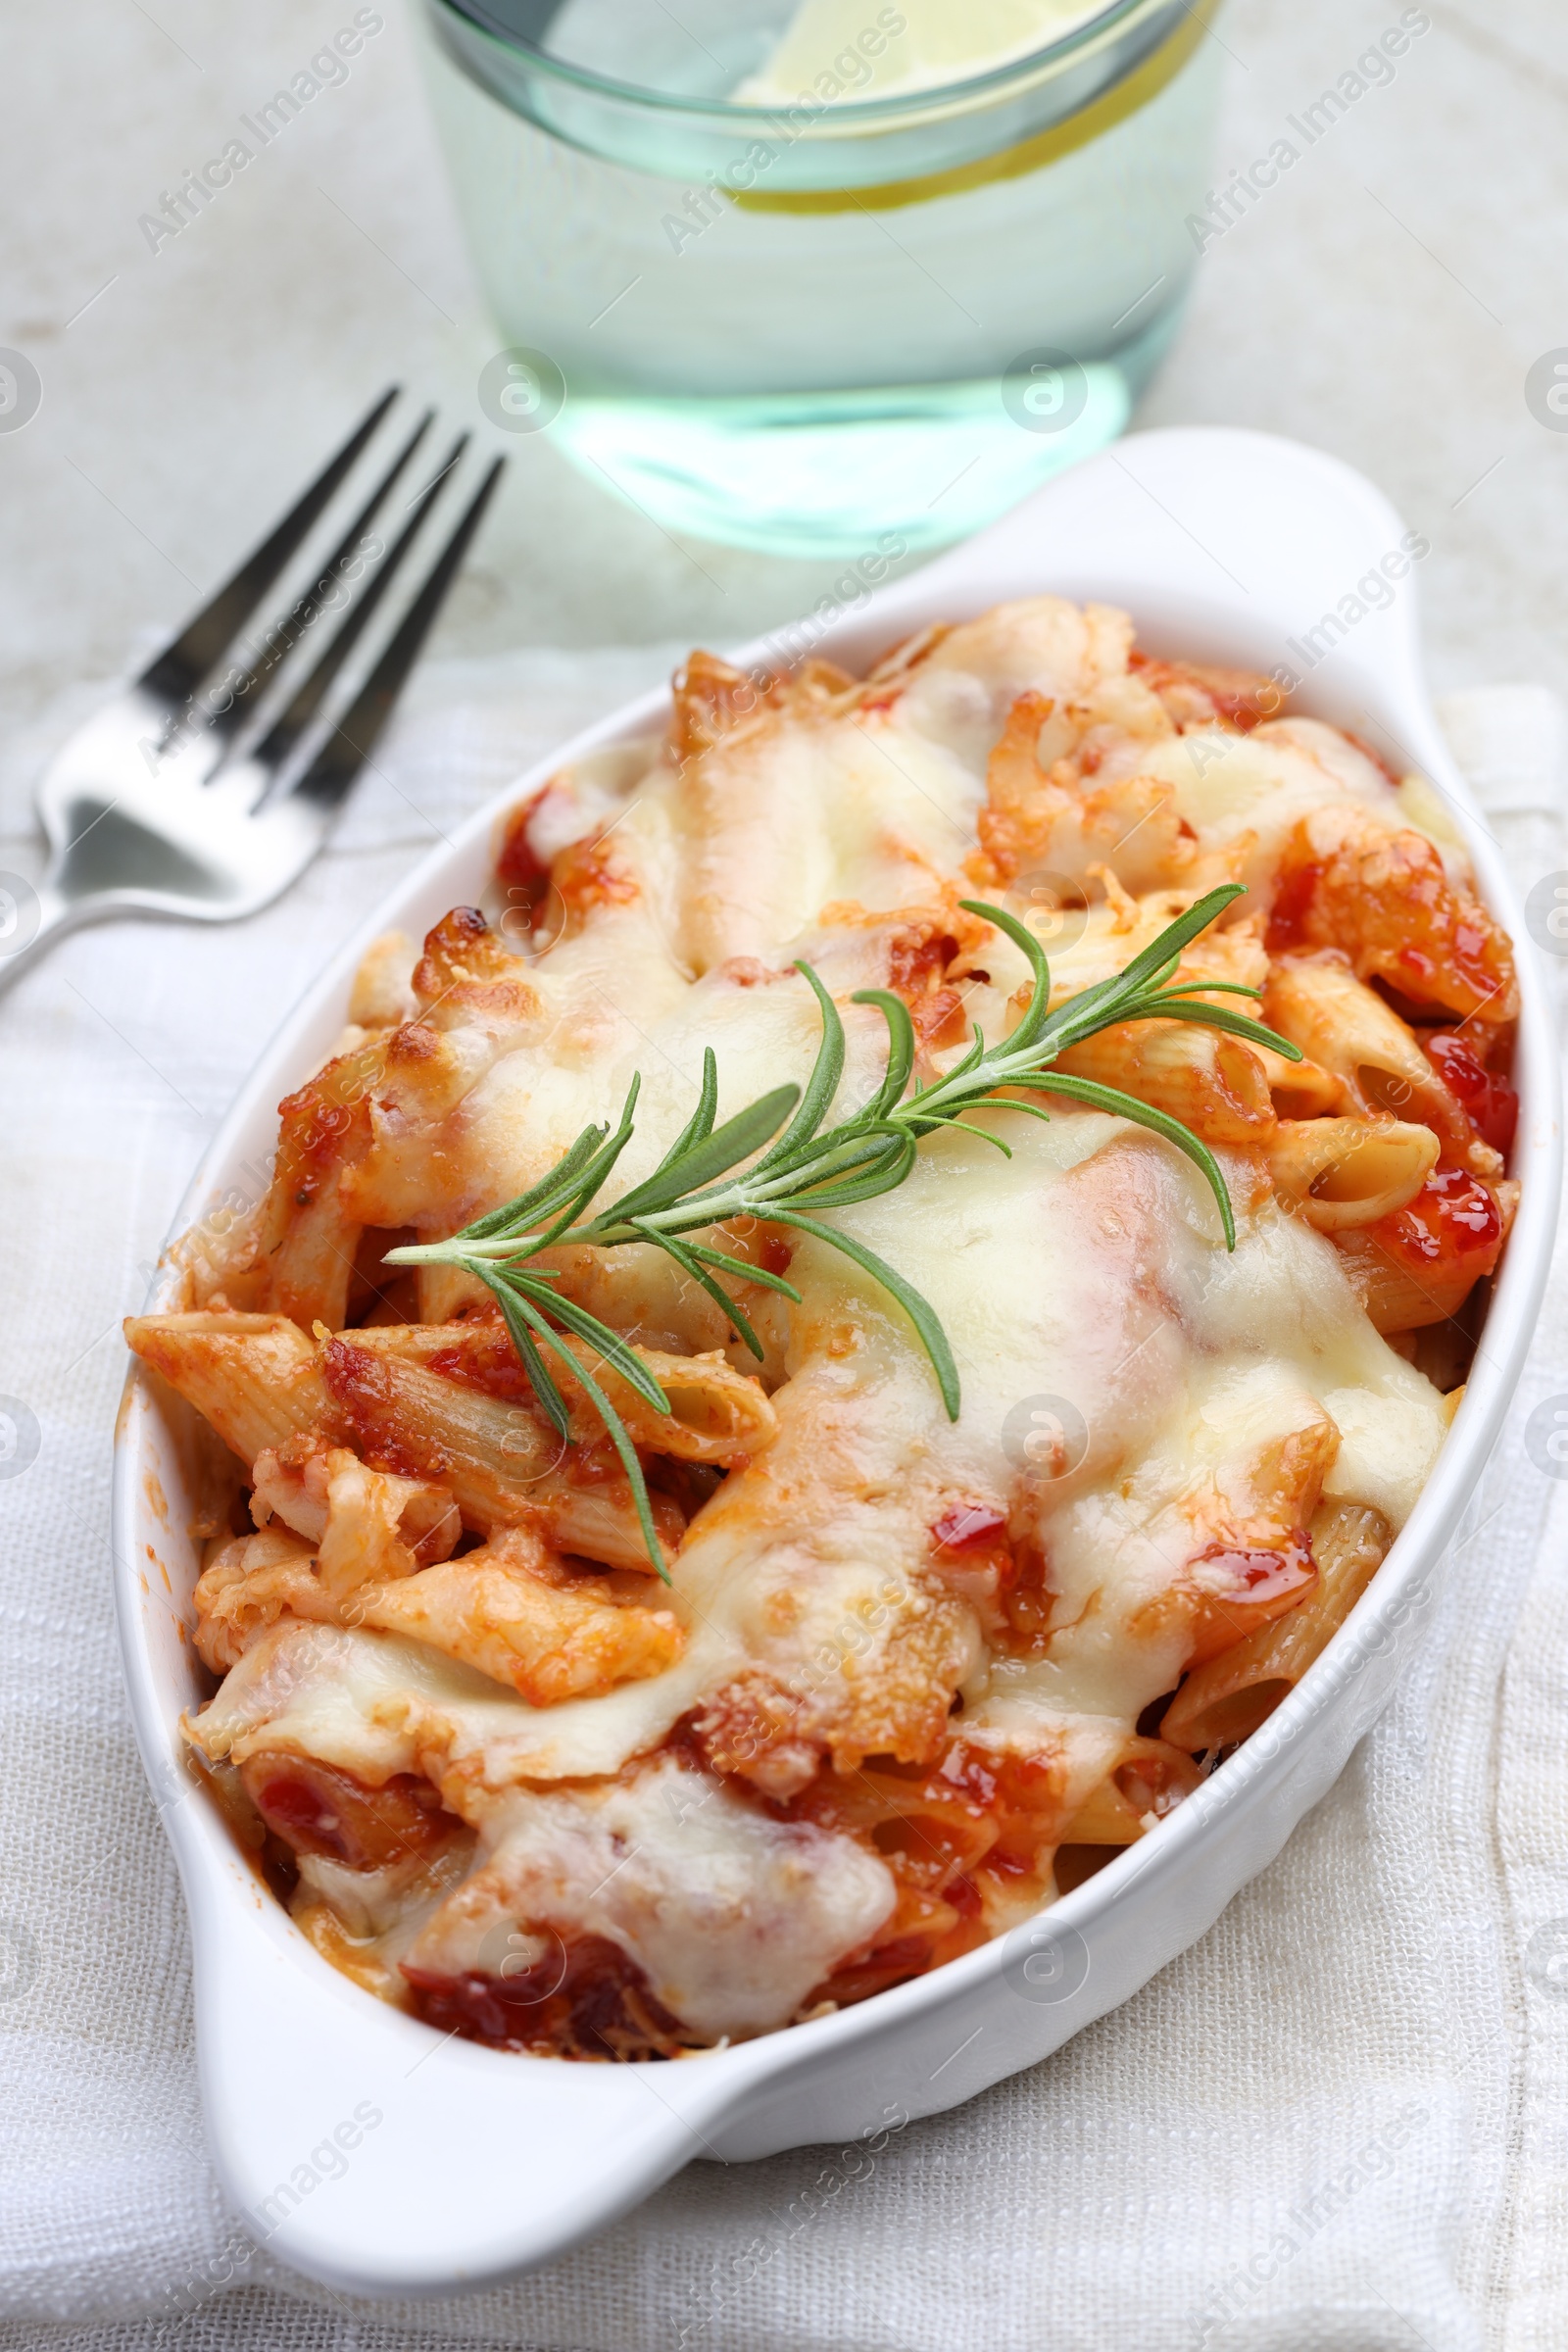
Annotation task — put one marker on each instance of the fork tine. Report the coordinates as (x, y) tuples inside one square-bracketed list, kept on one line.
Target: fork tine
[(175, 674), (226, 723), (291, 725), (326, 780)]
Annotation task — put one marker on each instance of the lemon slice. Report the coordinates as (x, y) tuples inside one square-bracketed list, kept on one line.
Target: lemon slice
[(920, 44)]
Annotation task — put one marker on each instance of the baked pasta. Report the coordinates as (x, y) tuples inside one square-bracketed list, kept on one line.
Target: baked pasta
[(794, 1631)]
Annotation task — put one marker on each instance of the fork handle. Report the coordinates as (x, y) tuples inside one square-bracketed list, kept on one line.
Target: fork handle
[(34, 915)]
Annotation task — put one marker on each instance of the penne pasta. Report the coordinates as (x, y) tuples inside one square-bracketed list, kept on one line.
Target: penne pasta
[(1395, 1297), (512, 1610), (716, 1414), (645, 1294), (1147, 1780), (327, 1496), (502, 1463), (261, 1383), (1212, 1083), (328, 1528), (313, 1237), (1226, 1698), (255, 1378), (1419, 1265), (445, 1293), (1349, 1031), (1339, 1174), (1301, 1090)]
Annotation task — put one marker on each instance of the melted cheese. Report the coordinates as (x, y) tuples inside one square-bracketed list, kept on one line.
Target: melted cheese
[(1247, 793), (1127, 1382), (732, 1916), (1089, 1273)]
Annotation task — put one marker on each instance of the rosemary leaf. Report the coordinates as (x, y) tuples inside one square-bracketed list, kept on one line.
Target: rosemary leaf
[(1159, 1122), (743, 1268), (686, 1258), (820, 1087), (804, 1166), (921, 1312), (699, 1126), (609, 1344), (522, 1338), (706, 1162), (614, 1428), (901, 1048), (541, 1198)]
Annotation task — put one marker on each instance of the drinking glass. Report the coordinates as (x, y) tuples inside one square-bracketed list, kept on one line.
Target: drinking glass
[(816, 278)]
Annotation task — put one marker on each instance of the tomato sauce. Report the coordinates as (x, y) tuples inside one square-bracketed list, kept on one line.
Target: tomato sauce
[(1287, 920), (966, 1525), (517, 865), (484, 1358), (1490, 1101), (1452, 1218), (318, 1809), (583, 1999), (1260, 1584)]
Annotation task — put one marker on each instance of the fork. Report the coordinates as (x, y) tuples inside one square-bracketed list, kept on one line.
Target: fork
[(199, 798)]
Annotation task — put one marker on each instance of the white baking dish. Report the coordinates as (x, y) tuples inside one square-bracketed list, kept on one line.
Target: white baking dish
[(477, 2165)]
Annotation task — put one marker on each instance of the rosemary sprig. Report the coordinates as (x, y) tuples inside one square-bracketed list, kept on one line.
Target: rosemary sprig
[(796, 1169)]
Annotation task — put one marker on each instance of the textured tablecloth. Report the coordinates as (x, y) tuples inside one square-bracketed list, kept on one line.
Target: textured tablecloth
[(1341, 2120)]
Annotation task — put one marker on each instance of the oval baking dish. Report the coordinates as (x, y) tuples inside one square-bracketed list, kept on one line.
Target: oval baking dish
[(1224, 547)]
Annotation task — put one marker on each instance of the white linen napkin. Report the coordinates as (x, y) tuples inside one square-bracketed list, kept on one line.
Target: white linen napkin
[(1338, 2124)]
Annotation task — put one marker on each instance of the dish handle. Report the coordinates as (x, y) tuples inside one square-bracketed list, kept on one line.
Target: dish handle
[(378, 2156)]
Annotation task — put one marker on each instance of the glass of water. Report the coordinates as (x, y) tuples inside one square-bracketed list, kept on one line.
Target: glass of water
[(801, 274)]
